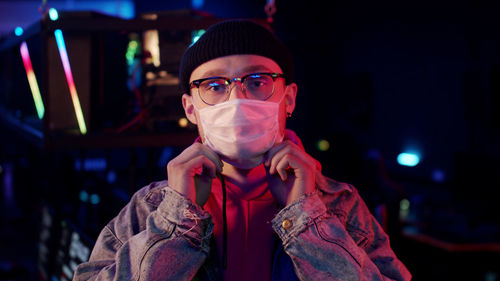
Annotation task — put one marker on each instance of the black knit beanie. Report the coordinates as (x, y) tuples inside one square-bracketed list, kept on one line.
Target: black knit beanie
[(235, 37)]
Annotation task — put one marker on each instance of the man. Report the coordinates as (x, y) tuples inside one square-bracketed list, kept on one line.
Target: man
[(245, 201)]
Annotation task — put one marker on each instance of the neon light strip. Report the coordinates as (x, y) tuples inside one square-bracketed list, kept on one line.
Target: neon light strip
[(35, 91), (69, 78)]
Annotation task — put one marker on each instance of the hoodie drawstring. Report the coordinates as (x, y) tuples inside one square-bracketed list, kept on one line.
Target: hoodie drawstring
[(224, 221)]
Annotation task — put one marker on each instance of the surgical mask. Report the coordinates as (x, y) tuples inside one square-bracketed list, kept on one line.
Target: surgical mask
[(241, 131)]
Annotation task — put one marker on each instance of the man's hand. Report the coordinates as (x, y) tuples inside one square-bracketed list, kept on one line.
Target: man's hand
[(191, 172), (291, 172)]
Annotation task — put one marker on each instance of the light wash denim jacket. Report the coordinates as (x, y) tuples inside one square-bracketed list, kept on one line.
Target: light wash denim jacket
[(161, 235)]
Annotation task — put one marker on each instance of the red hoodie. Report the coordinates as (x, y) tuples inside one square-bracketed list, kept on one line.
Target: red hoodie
[(250, 235)]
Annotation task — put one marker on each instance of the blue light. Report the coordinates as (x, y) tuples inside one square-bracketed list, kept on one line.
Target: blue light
[(408, 159), (197, 4), (18, 31), (111, 176), (53, 14), (438, 175), (91, 164), (122, 8)]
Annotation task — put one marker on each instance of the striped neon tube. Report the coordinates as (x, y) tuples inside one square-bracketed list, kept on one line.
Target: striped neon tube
[(69, 78), (35, 91)]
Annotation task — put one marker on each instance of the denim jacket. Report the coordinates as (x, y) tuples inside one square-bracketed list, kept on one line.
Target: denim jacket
[(326, 235)]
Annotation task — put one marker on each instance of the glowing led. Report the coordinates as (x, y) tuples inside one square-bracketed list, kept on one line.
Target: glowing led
[(18, 31), (94, 164), (131, 51), (408, 159), (111, 176), (197, 4), (438, 175), (323, 145), (183, 122), (95, 199), (404, 204), (84, 196), (404, 209), (53, 14), (35, 91), (69, 78)]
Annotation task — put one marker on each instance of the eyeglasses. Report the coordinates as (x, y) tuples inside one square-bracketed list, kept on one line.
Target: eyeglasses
[(214, 90)]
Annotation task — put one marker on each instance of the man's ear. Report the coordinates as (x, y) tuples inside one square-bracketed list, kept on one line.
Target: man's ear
[(187, 103), (290, 95)]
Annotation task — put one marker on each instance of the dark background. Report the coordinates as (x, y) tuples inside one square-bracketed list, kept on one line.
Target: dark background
[(375, 79)]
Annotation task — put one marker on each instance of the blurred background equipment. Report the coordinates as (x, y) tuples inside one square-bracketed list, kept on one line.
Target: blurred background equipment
[(94, 74)]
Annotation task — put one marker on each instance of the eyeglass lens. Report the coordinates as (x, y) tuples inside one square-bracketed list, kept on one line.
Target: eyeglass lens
[(255, 86)]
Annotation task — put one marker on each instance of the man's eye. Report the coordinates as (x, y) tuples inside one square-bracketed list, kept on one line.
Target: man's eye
[(214, 86), (254, 83)]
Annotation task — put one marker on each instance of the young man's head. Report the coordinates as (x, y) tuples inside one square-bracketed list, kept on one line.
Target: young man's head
[(237, 70)]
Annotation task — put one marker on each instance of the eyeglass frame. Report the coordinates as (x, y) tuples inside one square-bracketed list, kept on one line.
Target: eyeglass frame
[(196, 84)]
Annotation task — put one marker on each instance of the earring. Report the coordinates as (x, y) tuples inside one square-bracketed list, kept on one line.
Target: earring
[(288, 114)]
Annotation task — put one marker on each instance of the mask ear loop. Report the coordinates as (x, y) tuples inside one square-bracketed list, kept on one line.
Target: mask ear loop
[(224, 221)]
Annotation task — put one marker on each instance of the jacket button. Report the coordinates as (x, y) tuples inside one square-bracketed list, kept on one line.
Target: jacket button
[(286, 224)]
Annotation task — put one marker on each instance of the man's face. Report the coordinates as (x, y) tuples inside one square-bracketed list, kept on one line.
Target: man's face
[(238, 66)]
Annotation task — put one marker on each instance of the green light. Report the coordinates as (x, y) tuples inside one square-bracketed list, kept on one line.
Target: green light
[(404, 204), (132, 47), (323, 145)]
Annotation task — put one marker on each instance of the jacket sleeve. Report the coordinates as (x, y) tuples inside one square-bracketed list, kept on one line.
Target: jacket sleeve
[(336, 239), (169, 242)]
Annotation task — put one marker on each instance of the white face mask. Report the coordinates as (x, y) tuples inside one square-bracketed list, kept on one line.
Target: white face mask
[(241, 130)]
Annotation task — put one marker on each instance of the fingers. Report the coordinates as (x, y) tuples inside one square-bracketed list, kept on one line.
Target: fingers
[(292, 171), (191, 157), (202, 165), (287, 157), (286, 165), (272, 152), (192, 171)]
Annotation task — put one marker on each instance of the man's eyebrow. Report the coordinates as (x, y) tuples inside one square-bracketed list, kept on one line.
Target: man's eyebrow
[(246, 70), (214, 73)]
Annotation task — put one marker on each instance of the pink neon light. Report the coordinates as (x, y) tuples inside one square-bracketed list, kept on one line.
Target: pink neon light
[(26, 57), (69, 78), (35, 91)]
